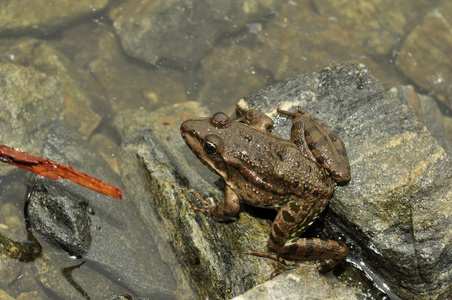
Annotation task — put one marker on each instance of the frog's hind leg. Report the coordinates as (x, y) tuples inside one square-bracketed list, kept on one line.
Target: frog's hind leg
[(328, 252), (292, 219), (298, 132)]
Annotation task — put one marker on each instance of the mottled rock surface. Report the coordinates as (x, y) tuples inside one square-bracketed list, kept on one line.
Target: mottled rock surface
[(377, 29), (44, 17), (424, 56), (164, 31), (29, 99), (302, 283), (76, 107)]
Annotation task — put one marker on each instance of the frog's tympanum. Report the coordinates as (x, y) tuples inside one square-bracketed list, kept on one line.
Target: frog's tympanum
[(295, 177)]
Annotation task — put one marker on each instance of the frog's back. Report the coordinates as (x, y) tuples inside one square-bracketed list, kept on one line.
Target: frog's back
[(266, 169)]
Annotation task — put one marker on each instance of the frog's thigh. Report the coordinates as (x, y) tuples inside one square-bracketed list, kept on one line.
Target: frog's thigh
[(298, 136), (228, 208), (293, 219)]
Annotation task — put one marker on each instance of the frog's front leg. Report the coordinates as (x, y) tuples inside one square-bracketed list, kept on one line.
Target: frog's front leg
[(292, 219), (223, 211)]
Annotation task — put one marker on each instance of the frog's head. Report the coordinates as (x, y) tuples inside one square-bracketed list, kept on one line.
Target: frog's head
[(203, 137)]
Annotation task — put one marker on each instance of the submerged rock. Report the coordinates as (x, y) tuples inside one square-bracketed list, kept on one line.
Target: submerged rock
[(164, 31), (424, 56), (96, 228), (44, 17)]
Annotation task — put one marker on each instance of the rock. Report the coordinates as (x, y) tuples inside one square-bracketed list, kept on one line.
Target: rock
[(378, 33), (77, 105), (140, 85), (5, 296), (92, 226), (163, 31), (44, 17), (425, 57), (30, 99), (302, 283), (400, 176), (426, 109), (400, 182)]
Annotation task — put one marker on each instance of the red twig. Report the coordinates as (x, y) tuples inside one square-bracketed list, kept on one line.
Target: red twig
[(53, 170)]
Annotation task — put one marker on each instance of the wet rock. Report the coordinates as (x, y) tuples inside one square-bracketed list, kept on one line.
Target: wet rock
[(298, 39), (5, 296), (10, 269), (100, 229), (400, 176), (424, 56), (377, 32), (77, 105), (427, 111), (302, 281), (44, 17), (140, 85), (179, 33), (30, 99)]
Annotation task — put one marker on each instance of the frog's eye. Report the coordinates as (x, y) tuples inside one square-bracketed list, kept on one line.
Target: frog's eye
[(213, 144), (210, 147)]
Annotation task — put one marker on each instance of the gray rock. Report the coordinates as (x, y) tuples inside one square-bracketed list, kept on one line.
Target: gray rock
[(44, 17), (77, 109), (30, 99), (424, 56), (382, 31), (180, 32), (400, 182), (158, 170), (427, 111), (302, 284), (400, 176), (100, 229)]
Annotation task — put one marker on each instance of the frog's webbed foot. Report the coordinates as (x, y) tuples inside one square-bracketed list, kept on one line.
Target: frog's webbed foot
[(273, 256), (323, 266), (206, 205), (224, 211), (288, 264)]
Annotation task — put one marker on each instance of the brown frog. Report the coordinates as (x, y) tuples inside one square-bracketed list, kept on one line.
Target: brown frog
[(295, 177)]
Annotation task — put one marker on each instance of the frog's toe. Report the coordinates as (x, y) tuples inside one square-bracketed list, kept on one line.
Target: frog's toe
[(205, 203), (272, 256), (205, 209)]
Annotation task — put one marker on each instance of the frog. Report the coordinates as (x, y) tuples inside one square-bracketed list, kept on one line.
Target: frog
[(296, 177)]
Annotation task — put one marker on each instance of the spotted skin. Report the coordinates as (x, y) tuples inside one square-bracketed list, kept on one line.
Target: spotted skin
[(294, 177), (325, 145)]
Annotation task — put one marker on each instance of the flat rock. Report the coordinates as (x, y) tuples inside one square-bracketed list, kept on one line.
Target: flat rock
[(425, 57), (161, 31), (30, 99), (44, 17)]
